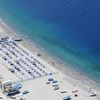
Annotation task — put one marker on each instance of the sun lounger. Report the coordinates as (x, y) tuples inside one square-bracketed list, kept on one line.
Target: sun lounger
[(63, 92), (56, 87)]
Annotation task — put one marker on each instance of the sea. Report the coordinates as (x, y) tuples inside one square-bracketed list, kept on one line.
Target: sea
[(68, 29)]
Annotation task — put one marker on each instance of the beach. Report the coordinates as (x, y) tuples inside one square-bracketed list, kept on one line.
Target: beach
[(68, 79)]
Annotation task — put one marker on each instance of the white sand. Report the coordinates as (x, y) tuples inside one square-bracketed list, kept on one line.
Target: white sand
[(38, 87)]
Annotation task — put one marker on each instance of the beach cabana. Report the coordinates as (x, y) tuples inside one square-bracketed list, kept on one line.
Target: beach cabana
[(54, 83), (93, 94), (67, 98)]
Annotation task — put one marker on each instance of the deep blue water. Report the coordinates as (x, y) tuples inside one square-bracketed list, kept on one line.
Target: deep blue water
[(69, 29)]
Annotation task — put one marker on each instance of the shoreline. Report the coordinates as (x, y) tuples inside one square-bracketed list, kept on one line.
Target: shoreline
[(64, 68), (71, 75)]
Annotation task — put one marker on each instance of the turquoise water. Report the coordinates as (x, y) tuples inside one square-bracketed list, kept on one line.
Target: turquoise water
[(69, 29)]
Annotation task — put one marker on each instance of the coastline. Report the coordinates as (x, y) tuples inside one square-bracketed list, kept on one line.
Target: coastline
[(71, 75)]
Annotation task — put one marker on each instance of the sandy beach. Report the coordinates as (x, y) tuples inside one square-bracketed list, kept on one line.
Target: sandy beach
[(69, 80)]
